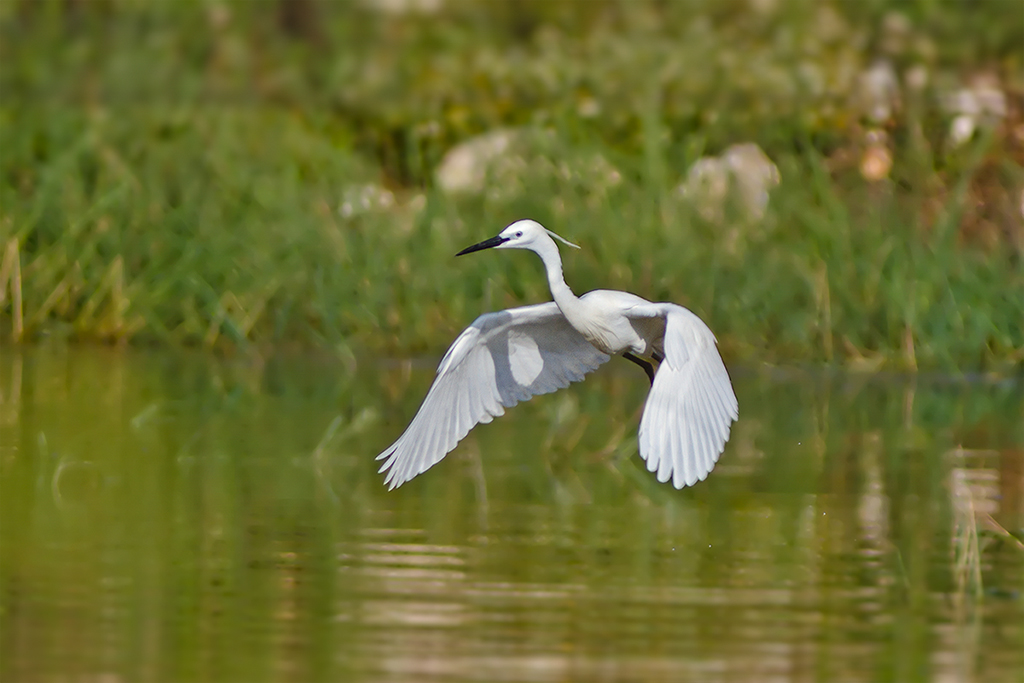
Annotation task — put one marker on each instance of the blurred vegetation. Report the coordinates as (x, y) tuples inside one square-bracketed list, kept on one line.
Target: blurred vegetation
[(249, 175)]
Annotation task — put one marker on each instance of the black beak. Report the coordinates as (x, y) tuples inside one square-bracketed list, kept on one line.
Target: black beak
[(486, 244)]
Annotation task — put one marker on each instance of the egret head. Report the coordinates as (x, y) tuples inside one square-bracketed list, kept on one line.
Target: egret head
[(524, 234)]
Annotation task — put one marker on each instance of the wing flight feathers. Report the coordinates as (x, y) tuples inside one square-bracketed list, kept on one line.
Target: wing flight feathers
[(499, 360), (691, 406)]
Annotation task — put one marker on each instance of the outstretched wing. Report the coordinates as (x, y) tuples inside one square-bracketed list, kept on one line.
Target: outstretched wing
[(692, 405), (499, 360)]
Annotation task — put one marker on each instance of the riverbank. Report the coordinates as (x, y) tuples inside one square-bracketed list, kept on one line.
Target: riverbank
[(229, 178)]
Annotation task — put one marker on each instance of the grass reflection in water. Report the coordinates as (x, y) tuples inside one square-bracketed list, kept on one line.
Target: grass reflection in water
[(170, 517)]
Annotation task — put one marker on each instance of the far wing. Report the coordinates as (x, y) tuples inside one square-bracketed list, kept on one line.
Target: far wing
[(499, 360), (692, 405)]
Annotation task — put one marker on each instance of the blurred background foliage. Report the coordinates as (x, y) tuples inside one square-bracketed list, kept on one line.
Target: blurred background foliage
[(297, 173)]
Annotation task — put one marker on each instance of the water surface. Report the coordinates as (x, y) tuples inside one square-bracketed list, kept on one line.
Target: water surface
[(170, 517)]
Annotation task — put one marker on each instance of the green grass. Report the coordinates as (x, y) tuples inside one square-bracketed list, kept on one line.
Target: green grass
[(176, 175)]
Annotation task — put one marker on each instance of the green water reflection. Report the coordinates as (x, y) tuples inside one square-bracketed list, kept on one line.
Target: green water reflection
[(175, 518)]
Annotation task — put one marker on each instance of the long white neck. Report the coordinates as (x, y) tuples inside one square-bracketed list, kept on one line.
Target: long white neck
[(560, 292)]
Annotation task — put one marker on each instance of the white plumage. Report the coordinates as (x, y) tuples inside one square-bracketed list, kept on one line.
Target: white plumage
[(510, 356)]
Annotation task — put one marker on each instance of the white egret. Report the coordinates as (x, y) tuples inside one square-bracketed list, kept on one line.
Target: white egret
[(509, 356)]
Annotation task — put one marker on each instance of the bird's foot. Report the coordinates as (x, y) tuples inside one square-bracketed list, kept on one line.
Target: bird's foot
[(647, 367)]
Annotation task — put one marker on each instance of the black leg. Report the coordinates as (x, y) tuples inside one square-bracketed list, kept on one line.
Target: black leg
[(657, 356), (648, 368)]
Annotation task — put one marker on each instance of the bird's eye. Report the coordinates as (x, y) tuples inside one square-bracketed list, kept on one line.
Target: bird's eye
[(519, 233)]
